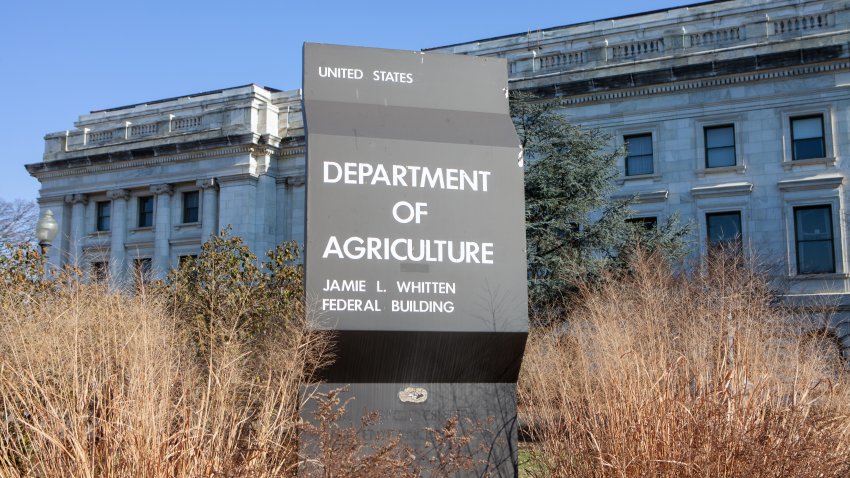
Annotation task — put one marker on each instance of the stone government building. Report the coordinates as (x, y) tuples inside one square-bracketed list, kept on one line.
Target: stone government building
[(736, 114), (136, 188)]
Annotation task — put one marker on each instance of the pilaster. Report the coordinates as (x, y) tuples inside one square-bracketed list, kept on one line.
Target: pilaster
[(118, 253), (209, 206), (78, 214), (237, 198), (161, 263)]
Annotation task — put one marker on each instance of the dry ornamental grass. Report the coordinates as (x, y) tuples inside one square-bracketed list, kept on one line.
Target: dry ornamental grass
[(654, 374), (202, 377), (663, 374)]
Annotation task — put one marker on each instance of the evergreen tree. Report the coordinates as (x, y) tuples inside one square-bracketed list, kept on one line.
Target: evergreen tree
[(574, 229)]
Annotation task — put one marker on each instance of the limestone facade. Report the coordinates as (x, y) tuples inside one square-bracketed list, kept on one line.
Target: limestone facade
[(737, 111), (743, 76), (136, 188)]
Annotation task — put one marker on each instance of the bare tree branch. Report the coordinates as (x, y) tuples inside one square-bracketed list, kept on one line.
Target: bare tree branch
[(17, 220)]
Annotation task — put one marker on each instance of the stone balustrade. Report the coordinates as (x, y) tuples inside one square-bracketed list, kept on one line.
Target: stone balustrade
[(675, 32), (227, 112)]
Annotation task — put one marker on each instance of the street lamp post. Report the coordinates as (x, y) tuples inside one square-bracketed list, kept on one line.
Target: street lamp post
[(46, 230)]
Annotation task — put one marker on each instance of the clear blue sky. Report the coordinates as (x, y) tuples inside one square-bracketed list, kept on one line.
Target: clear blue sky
[(62, 59)]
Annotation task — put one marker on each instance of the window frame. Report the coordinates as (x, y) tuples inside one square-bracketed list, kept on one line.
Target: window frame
[(626, 138), (814, 191), (828, 118), (142, 270), (184, 208), (700, 124), (99, 208), (99, 271), (724, 198), (739, 240), (792, 119), (707, 148), (141, 213), (797, 239)]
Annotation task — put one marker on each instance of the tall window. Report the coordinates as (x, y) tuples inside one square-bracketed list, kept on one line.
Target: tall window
[(141, 271), (807, 137), (813, 231), (99, 271), (146, 211), (104, 215), (719, 146), (723, 227), (191, 201), (638, 154)]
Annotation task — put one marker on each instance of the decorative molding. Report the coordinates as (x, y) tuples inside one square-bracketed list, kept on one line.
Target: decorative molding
[(739, 169), (294, 151), (644, 197), (796, 163), (206, 183), (162, 189), (697, 84), (118, 194), (817, 182), (261, 151), (722, 190), (142, 230), (235, 179), (188, 225), (48, 200), (77, 198), (185, 241), (819, 277), (138, 163), (134, 245), (656, 177), (294, 181)]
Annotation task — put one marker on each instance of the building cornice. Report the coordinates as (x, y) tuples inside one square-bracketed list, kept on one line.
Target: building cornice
[(238, 179), (126, 159), (690, 77)]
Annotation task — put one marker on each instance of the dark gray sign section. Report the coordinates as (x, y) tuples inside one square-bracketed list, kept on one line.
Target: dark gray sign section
[(415, 250)]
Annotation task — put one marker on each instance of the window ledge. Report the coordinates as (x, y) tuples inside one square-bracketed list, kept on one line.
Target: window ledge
[(138, 230), (637, 177), (788, 165), (827, 276), (100, 234), (739, 169), (188, 225)]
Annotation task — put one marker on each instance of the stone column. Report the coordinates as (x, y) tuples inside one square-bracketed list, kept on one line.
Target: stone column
[(209, 205), (265, 208), (118, 232), (161, 263), (78, 227), (297, 206), (237, 196)]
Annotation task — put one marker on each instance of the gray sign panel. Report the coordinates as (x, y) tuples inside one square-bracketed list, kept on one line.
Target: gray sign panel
[(415, 249), (414, 192)]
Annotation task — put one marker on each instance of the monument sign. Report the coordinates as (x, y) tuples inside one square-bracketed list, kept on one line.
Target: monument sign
[(415, 245)]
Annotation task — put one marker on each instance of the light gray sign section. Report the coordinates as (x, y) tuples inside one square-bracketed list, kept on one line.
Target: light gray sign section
[(412, 225), (436, 81)]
